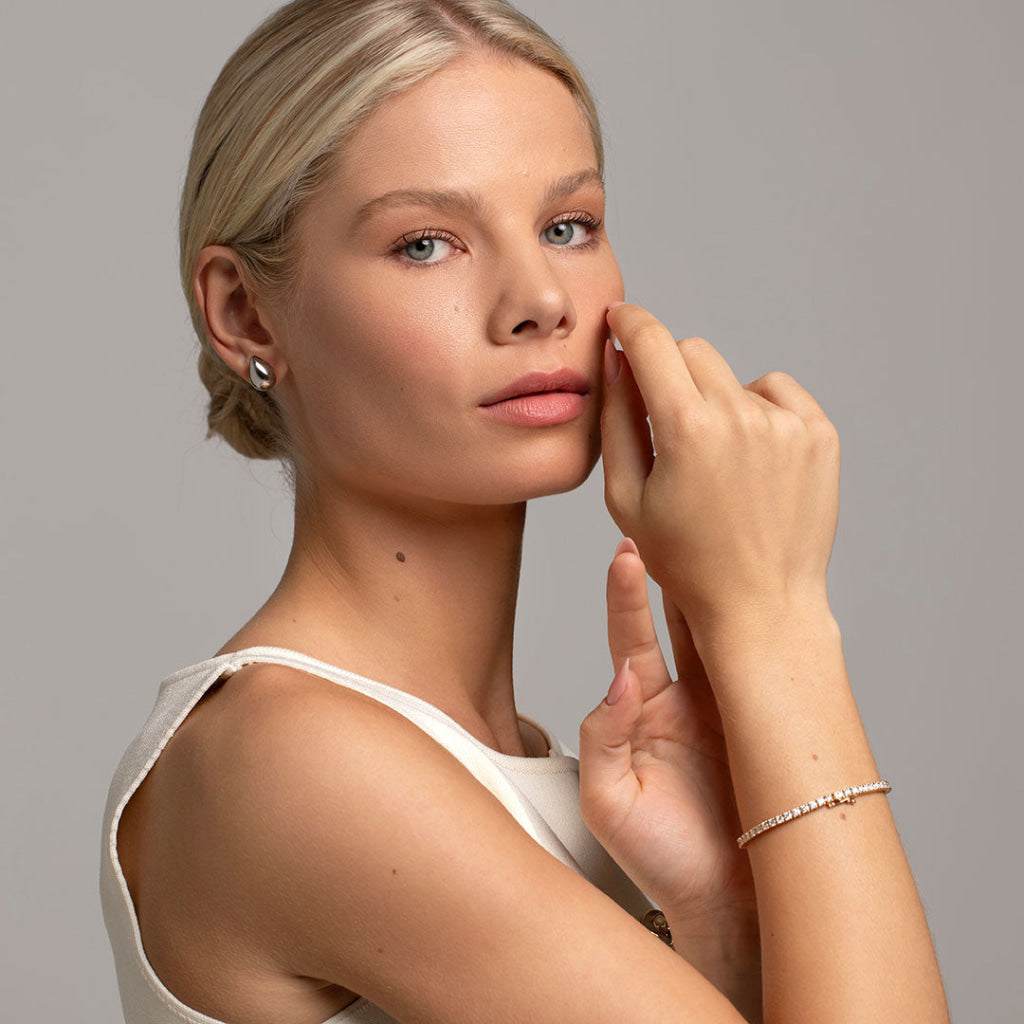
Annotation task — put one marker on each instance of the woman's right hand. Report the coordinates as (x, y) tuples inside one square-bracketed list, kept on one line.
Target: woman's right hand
[(733, 503)]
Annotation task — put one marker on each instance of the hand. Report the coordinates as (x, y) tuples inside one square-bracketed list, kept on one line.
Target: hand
[(655, 787), (734, 500)]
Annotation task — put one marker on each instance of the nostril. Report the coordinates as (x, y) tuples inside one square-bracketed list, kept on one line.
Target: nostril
[(525, 325)]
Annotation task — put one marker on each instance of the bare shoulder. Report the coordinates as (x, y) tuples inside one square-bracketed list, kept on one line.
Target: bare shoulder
[(270, 762), (270, 726), (270, 751), (275, 748), (332, 841)]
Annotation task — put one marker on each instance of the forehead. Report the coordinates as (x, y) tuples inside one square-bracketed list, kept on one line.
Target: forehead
[(480, 121)]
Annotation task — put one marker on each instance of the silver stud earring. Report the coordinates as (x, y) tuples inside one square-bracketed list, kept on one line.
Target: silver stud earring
[(261, 374)]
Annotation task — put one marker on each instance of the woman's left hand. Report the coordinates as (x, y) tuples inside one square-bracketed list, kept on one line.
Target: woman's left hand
[(655, 784)]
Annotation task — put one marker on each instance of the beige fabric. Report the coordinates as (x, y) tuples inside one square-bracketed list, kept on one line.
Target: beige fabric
[(541, 793)]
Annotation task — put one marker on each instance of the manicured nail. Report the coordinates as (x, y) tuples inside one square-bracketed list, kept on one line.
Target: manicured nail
[(626, 544), (618, 686), (611, 362), (612, 305)]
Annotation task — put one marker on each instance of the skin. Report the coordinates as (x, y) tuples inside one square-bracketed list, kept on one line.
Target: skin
[(382, 364), (294, 891)]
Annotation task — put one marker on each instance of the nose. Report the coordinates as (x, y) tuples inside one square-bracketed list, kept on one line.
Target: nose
[(532, 302)]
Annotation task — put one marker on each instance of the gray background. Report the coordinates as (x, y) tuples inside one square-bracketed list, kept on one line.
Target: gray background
[(827, 188)]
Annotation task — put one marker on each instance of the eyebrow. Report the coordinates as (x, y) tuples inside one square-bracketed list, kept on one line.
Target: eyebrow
[(565, 186), (457, 200)]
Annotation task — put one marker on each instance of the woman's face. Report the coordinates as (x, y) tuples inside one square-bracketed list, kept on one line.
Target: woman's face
[(455, 261)]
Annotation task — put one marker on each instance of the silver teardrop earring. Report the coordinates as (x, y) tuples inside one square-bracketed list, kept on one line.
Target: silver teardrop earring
[(261, 374)]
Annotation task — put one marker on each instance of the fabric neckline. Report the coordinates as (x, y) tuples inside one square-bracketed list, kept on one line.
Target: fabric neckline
[(232, 661)]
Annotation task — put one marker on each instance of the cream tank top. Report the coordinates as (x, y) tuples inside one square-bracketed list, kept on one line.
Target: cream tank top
[(542, 794)]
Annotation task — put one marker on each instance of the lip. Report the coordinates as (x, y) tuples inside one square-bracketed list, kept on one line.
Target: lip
[(538, 382), (539, 399)]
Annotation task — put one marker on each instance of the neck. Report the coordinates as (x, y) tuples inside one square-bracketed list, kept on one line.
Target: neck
[(421, 599)]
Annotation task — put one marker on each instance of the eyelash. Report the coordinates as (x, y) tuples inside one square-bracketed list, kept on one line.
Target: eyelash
[(418, 236), (591, 223)]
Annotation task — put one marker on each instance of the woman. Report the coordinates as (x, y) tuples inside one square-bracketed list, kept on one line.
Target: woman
[(393, 248)]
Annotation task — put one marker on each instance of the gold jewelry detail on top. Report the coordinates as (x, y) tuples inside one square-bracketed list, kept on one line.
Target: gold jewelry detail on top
[(840, 796), (655, 921)]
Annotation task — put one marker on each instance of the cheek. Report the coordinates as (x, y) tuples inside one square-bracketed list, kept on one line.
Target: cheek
[(405, 344), (596, 287), (613, 287), (419, 337)]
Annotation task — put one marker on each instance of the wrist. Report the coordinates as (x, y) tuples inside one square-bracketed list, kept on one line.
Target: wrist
[(791, 722), (725, 946), (732, 640)]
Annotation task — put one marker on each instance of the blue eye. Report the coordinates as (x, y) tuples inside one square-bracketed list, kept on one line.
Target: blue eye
[(571, 231), (562, 233), (426, 249)]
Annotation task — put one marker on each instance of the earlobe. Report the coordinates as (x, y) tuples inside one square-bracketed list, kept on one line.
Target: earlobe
[(229, 310)]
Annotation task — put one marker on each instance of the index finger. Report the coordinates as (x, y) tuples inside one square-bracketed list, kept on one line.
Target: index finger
[(661, 372), (631, 632)]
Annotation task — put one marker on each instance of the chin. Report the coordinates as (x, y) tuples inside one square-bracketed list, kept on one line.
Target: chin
[(567, 482), (540, 478)]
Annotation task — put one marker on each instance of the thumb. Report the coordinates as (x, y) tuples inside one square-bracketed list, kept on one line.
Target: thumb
[(608, 785)]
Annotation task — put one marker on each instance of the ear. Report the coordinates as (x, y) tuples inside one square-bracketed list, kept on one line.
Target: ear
[(230, 311)]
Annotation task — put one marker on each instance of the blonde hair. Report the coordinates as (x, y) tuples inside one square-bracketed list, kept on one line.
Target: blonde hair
[(295, 89)]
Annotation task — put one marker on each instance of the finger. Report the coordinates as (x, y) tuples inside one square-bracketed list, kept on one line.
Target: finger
[(626, 450), (608, 785), (631, 633), (782, 390), (710, 371), (661, 373)]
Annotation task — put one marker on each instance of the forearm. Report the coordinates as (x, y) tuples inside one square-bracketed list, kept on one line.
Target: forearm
[(843, 931)]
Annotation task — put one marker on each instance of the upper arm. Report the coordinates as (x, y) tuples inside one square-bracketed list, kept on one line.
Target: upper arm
[(369, 857)]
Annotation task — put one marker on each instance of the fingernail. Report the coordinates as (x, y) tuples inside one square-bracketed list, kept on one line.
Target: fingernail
[(626, 544), (618, 686), (611, 362), (611, 306)]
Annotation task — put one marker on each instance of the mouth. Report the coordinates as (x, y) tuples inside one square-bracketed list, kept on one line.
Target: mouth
[(540, 382), (539, 399)]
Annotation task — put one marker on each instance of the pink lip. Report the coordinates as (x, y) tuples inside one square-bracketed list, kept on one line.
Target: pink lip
[(539, 381), (540, 399)]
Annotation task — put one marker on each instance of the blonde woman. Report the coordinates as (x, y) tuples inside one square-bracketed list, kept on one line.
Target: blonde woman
[(392, 242)]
